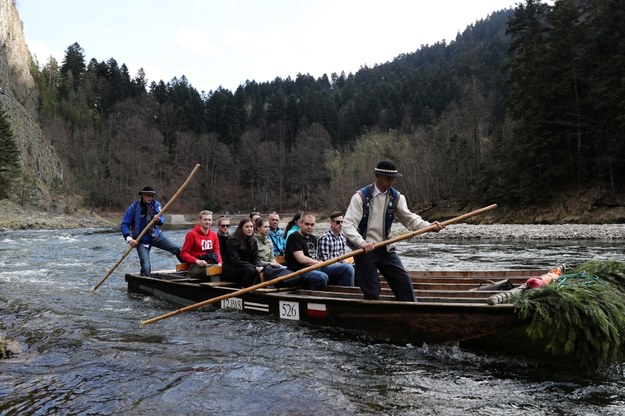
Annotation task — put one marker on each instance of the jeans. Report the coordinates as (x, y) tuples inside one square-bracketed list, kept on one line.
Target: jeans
[(340, 274), (294, 281), (391, 267), (315, 280), (161, 242)]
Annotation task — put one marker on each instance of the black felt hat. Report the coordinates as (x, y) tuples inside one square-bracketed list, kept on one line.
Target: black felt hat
[(387, 168), (148, 190)]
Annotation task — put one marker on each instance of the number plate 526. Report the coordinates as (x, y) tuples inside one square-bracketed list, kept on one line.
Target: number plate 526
[(289, 310)]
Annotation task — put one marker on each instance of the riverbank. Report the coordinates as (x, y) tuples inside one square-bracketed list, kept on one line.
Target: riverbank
[(587, 206), (14, 217), (587, 212), (529, 232)]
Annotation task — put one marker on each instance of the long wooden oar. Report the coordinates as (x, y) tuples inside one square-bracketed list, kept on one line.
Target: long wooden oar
[(147, 227), (316, 266)]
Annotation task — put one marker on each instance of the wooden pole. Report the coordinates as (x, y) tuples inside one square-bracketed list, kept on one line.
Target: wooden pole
[(316, 266), (147, 227)]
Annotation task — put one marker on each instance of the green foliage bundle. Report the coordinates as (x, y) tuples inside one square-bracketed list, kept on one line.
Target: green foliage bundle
[(581, 316)]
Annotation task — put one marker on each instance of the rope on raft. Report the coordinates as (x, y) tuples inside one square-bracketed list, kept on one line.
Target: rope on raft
[(588, 278)]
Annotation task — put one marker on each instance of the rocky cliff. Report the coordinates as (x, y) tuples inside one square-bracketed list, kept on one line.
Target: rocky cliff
[(19, 97)]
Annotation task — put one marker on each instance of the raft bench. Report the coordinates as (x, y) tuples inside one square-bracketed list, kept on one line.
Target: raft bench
[(214, 272)]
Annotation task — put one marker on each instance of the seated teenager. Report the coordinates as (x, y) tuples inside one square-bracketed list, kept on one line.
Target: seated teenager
[(266, 259), (265, 247), (293, 225), (201, 247), (254, 215), (223, 231), (333, 242), (241, 255), (301, 252)]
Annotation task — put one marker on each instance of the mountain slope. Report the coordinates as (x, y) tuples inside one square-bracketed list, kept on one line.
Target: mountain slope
[(19, 96)]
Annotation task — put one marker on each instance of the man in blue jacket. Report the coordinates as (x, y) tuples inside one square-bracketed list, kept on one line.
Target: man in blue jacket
[(276, 234), (138, 215)]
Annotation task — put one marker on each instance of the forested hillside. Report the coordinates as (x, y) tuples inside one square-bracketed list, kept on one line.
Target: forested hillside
[(517, 107)]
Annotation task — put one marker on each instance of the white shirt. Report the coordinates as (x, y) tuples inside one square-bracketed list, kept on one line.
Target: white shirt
[(377, 212)]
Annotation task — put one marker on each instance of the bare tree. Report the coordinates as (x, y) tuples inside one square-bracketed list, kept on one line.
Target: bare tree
[(308, 173)]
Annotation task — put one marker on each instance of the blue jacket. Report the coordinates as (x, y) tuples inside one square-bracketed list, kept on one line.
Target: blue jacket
[(133, 223), (278, 241)]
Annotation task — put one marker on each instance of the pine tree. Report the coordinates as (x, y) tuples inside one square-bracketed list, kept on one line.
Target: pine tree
[(9, 156), (527, 84), (72, 69)]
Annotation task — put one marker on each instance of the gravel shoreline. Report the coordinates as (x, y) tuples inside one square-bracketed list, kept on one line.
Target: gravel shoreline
[(530, 232), (464, 231)]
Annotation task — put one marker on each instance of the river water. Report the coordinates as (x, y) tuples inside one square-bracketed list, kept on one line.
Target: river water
[(86, 354)]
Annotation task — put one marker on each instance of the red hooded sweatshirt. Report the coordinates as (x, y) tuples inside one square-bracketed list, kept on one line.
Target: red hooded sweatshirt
[(196, 244)]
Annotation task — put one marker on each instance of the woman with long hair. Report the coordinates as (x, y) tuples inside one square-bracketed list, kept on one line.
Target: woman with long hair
[(265, 246), (294, 225), (266, 259), (241, 255)]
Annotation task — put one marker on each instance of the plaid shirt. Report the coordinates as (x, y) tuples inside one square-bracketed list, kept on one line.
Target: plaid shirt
[(330, 246)]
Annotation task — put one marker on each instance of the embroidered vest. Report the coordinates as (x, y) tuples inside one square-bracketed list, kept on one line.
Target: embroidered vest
[(366, 193)]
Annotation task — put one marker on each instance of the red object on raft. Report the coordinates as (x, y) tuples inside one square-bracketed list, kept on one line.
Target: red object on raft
[(546, 278), (535, 282)]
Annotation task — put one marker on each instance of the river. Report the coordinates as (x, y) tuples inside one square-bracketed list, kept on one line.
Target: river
[(86, 354)]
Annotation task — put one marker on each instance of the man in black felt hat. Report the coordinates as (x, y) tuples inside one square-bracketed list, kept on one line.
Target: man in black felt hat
[(368, 220), (137, 217)]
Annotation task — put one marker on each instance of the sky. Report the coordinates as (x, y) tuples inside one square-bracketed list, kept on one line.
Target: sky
[(226, 43)]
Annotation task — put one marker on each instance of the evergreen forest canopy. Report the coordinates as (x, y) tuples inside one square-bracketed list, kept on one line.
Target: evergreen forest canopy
[(518, 106)]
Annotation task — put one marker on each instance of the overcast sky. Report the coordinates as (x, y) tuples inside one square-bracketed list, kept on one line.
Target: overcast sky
[(224, 43)]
